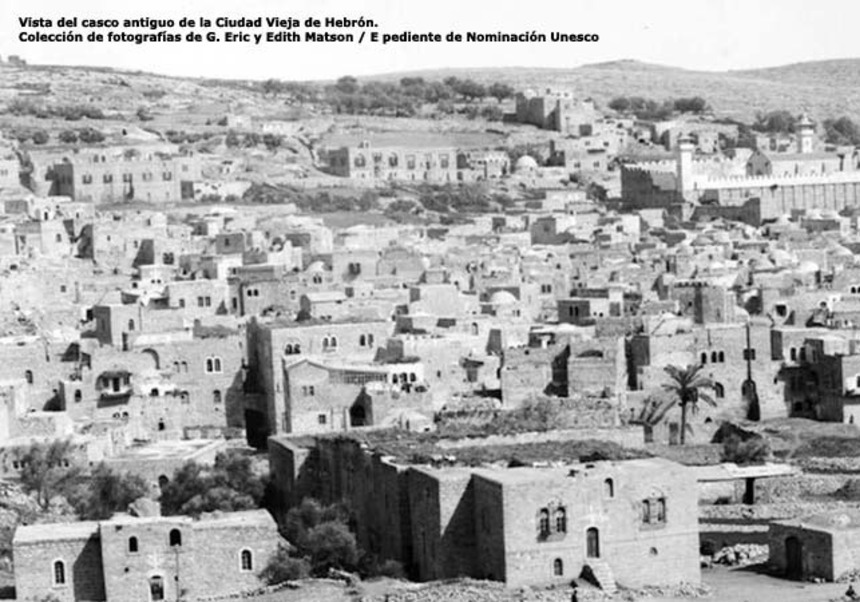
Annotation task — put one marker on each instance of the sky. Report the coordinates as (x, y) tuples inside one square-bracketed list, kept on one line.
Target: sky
[(712, 35)]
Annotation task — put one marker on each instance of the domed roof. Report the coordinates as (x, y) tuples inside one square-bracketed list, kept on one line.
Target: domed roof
[(315, 267), (525, 163), (807, 267), (502, 298)]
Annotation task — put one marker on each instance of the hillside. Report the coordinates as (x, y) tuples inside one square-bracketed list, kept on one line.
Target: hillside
[(823, 88)]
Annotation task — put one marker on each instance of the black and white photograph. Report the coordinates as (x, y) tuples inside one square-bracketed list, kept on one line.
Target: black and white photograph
[(387, 301)]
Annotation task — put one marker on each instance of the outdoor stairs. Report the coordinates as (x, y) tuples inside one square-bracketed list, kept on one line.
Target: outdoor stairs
[(602, 575)]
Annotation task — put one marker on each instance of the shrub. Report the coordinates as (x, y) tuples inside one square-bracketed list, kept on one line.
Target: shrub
[(332, 545), (752, 451), (283, 567)]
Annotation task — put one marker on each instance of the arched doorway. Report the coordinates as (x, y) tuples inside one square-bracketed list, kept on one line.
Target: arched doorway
[(592, 543), (156, 588), (154, 359), (793, 558)]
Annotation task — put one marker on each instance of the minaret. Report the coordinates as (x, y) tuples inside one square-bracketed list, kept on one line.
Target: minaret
[(684, 168), (805, 134)]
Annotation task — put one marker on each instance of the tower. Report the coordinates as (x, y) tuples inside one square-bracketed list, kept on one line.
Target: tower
[(805, 134), (684, 168)]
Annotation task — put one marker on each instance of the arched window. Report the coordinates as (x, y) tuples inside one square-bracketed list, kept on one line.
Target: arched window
[(713, 357), (333, 342), (209, 365), (131, 325), (216, 396), (543, 522), (704, 359), (609, 488), (132, 544), (560, 520), (185, 367), (246, 560), (719, 390), (370, 340), (721, 357), (558, 567), (161, 425), (362, 341), (793, 354), (474, 329), (175, 537), (592, 541), (217, 364), (325, 343), (78, 395), (28, 376), (59, 572)]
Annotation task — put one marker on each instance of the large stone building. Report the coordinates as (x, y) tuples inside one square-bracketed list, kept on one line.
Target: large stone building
[(631, 522), (99, 178), (144, 559), (423, 163)]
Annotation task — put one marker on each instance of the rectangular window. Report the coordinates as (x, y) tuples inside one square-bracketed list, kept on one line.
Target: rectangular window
[(107, 178), (322, 418), (126, 177)]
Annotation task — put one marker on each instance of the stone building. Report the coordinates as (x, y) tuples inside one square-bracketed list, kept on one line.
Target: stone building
[(271, 343), (823, 546), (631, 522), (99, 178), (420, 163), (144, 559)]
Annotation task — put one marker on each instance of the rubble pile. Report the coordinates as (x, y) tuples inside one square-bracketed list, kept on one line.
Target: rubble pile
[(740, 555), (684, 590)]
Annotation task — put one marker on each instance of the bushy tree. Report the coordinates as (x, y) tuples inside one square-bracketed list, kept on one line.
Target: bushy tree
[(90, 136), (331, 545), (694, 104), (68, 136), (620, 104), (841, 131), (47, 470), (775, 122), (107, 492), (284, 567), (40, 137), (229, 485), (500, 91), (347, 85)]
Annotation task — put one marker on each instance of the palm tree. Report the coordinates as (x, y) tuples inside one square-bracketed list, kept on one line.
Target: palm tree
[(688, 387)]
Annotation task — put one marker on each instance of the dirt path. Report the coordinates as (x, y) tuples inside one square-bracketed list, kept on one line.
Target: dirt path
[(739, 585)]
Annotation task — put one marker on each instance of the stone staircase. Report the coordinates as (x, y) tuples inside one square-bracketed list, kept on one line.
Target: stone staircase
[(600, 573)]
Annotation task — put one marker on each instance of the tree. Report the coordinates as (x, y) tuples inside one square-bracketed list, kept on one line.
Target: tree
[(331, 545), (232, 139), (40, 137), (500, 91), (839, 131), (688, 386), (283, 567), (347, 85), (775, 122), (229, 485), (90, 136), (620, 104), (68, 136), (107, 492), (144, 114), (694, 104), (47, 470)]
